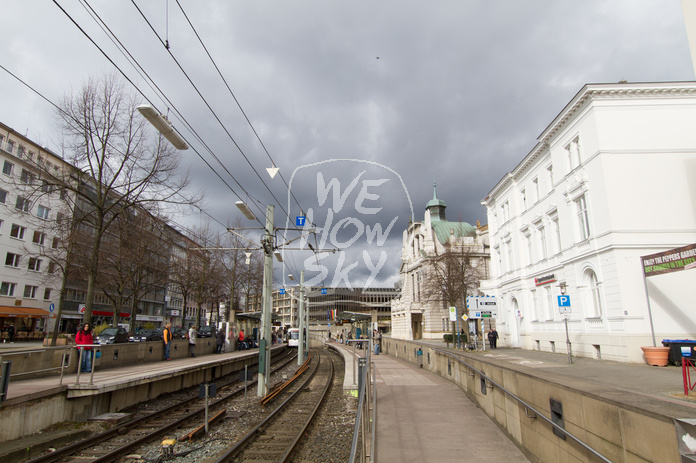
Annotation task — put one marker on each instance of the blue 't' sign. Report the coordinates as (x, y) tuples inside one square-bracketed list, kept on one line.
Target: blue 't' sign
[(300, 221)]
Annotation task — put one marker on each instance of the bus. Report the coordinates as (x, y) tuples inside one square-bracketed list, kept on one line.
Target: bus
[(293, 337)]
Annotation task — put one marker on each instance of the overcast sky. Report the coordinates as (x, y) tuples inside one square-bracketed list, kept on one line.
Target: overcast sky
[(378, 97)]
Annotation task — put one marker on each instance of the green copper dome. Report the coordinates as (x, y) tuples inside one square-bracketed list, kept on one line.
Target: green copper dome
[(442, 228)]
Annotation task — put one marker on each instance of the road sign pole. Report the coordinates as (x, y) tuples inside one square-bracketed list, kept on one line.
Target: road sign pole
[(569, 348)]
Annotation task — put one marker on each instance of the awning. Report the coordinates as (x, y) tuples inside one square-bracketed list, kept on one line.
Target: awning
[(22, 312)]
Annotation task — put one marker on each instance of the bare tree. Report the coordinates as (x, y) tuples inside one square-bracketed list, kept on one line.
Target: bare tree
[(453, 274), (234, 262), (135, 257), (209, 271), (116, 167)]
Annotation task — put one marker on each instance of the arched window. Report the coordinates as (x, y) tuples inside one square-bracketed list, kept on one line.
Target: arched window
[(594, 303)]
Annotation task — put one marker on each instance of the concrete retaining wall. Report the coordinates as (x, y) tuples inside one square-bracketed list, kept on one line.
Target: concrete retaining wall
[(31, 414), (42, 362), (615, 429)]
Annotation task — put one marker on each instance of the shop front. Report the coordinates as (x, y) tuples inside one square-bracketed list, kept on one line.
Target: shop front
[(19, 323)]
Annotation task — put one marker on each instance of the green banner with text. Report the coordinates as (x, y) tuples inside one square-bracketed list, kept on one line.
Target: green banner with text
[(673, 260)]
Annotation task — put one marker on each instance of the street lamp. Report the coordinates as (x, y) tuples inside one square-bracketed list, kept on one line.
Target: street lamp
[(245, 210), (164, 127)]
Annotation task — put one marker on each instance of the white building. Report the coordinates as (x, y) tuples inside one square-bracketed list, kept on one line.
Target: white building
[(415, 314), (30, 207), (613, 178)]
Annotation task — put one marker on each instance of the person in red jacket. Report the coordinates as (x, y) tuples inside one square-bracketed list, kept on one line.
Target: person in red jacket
[(84, 338)]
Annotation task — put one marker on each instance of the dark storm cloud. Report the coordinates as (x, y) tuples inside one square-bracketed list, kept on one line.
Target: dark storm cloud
[(448, 91)]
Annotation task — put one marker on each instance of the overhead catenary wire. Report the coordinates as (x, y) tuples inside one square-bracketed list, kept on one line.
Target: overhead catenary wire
[(256, 202), (200, 40), (48, 100), (136, 65), (212, 111)]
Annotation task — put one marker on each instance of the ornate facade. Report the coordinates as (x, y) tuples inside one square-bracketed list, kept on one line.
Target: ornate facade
[(421, 313)]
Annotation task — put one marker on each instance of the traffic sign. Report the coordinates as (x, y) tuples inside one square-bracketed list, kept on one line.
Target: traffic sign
[(323, 290), (564, 301), (453, 314), (300, 220), (282, 291), (51, 307), (465, 317), (483, 314)]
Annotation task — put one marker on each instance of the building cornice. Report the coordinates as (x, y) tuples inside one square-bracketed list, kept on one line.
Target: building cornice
[(588, 94), (593, 92)]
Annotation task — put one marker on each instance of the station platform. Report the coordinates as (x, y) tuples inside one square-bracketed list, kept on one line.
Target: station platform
[(422, 417), (113, 378)]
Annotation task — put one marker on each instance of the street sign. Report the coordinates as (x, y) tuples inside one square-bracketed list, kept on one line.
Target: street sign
[(486, 306), (465, 317), (323, 290), (483, 314), (282, 291), (300, 220), (51, 307), (453, 314)]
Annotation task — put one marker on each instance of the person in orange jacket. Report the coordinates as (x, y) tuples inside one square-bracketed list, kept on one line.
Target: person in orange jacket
[(167, 339)]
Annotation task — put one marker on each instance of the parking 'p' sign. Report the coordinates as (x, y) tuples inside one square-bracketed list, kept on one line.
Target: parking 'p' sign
[(564, 304)]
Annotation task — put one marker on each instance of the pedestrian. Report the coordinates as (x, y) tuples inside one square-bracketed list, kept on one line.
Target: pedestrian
[(219, 341), (10, 333), (192, 341), (167, 339), (493, 338), (84, 338), (375, 341), (242, 345)]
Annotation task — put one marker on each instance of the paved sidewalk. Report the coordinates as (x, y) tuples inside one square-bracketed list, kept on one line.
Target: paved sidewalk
[(657, 389), (423, 418)]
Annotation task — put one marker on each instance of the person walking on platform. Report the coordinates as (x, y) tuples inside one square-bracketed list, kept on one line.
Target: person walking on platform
[(192, 341), (242, 345), (219, 341), (493, 338), (167, 339), (84, 338)]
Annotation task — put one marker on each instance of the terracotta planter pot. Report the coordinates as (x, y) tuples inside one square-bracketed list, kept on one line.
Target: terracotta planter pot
[(656, 356)]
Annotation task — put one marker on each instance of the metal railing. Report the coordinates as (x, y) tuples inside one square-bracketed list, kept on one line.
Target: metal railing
[(64, 363), (96, 349), (528, 408), (363, 444)]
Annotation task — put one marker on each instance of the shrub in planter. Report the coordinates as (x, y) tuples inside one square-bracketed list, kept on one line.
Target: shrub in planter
[(448, 338)]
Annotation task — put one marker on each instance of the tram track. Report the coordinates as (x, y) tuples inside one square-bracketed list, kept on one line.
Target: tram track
[(277, 436), (115, 443)]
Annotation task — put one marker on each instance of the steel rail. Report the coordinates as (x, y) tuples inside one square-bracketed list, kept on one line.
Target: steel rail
[(246, 439), (311, 416), (118, 430)]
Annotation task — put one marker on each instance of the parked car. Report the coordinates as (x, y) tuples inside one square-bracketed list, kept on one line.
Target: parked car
[(179, 333), (146, 334), (112, 335), (205, 332)]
